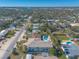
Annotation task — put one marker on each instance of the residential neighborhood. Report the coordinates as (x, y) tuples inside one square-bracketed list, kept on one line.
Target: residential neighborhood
[(39, 33)]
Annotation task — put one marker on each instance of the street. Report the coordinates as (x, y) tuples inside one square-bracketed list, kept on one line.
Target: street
[(7, 48)]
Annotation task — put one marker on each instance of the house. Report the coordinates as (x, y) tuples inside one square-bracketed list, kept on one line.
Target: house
[(3, 34), (38, 46), (71, 51), (35, 27), (71, 48), (74, 24), (51, 21)]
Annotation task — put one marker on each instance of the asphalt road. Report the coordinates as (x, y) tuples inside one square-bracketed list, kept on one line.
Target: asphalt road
[(6, 50)]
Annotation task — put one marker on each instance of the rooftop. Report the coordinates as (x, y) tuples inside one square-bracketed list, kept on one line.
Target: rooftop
[(72, 49), (39, 43), (74, 24), (70, 46), (3, 32)]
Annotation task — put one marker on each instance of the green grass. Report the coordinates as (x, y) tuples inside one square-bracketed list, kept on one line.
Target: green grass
[(62, 57), (54, 40), (63, 37), (76, 36), (10, 34), (52, 51)]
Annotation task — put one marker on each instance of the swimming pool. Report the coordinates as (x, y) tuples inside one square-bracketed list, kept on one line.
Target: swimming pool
[(45, 38), (69, 43)]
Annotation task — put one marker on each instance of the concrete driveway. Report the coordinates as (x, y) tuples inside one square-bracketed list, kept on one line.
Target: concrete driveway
[(42, 57)]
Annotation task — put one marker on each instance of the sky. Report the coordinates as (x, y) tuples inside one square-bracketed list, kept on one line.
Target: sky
[(39, 3)]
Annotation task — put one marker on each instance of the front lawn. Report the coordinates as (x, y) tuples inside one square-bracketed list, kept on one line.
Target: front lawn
[(10, 34)]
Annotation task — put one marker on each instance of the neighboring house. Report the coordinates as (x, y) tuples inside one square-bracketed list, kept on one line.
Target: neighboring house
[(3, 34), (51, 21), (71, 50), (74, 24), (35, 27)]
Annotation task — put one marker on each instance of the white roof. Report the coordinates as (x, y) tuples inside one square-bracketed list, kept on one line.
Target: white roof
[(3, 32), (74, 24)]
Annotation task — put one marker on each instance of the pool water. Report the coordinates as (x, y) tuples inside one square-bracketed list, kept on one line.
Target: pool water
[(45, 38), (68, 42)]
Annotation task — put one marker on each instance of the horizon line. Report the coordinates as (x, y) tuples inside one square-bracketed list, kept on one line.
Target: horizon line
[(43, 6)]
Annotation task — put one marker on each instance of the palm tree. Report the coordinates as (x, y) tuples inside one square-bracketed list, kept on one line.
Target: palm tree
[(22, 49)]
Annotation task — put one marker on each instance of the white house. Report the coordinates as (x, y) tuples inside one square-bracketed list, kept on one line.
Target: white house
[(3, 32)]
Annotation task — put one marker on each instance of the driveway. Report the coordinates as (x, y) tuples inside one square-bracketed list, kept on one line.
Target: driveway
[(42, 57)]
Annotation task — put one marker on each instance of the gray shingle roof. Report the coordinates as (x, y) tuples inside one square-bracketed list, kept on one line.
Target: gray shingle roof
[(40, 43), (74, 50)]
